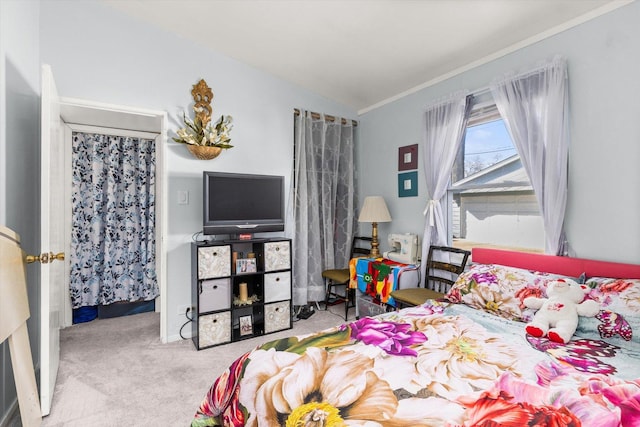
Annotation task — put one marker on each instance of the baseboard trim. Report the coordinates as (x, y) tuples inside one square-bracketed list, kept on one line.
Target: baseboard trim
[(177, 337), (12, 416)]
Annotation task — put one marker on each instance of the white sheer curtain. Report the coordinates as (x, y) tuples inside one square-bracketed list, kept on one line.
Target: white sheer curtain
[(445, 124), (534, 108), (324, 202)]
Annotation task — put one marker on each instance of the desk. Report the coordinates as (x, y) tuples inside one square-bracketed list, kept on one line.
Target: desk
[(376, 278)]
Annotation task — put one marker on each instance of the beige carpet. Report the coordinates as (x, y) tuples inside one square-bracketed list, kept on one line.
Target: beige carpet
[(115, 372)]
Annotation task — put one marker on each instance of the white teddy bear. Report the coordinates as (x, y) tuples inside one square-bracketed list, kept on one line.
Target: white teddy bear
[(557, 315)]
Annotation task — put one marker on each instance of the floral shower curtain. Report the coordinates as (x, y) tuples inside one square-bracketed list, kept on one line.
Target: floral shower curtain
[(113, 220), (324, 201)]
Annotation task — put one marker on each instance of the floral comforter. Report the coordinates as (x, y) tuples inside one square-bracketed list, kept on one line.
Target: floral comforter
[(434, 365)]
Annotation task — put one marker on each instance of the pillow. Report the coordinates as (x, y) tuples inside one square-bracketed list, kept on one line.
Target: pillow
[(619, 319), (617, 295), (500, 289)]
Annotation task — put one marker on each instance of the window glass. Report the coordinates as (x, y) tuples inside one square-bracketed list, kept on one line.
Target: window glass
[(485, 145), (492, 201)]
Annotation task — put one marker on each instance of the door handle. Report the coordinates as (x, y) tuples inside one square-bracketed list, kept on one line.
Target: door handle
[(45, 258)]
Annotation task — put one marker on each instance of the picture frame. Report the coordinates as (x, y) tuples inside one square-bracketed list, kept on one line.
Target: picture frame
[(408, 184), (246, 325), (408, 157), (246, 265)]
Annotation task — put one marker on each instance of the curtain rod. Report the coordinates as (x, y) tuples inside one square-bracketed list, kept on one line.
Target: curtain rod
[(481, 91), (326, 117)]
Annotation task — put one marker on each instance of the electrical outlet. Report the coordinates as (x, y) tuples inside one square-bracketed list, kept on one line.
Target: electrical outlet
[(183, 308)]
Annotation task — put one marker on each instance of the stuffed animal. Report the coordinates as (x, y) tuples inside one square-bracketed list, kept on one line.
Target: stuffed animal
[(557, 315)]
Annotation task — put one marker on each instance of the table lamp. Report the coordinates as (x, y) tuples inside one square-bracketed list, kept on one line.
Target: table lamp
[(374, 210)]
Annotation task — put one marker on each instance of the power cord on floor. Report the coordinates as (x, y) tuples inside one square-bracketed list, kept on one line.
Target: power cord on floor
[(303, 312), (189, 320), (331, 309)]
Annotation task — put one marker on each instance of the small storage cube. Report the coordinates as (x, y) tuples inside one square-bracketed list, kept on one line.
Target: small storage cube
[(215, 295), (214, 329), (366, 307), (277, 316), (277, 286), (277, 256), (214, 261)]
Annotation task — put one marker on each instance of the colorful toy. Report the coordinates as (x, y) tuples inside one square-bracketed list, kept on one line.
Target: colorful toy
[(557, 315)]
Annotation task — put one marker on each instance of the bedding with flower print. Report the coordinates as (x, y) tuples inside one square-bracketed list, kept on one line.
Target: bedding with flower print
[(438, 364), (618, 321), (500, 290)]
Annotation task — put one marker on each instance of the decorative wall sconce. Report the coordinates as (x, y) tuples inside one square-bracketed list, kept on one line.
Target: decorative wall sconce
[(203, 139)]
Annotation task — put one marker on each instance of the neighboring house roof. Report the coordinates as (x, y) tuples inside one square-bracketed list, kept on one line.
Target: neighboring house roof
[(507, 175)]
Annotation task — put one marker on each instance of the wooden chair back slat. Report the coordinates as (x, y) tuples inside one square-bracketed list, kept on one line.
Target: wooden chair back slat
[(444, 264)]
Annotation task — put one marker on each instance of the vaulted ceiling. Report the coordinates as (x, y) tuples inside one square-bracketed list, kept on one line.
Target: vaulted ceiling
[(363, 53)]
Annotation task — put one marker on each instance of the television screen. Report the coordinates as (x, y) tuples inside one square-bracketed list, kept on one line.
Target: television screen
[(242, 203)]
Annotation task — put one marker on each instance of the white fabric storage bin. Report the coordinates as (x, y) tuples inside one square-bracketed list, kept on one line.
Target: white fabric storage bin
[(277, 316), (215, 294), (214, 261), (277, 256), (214, 329), (277, 286)]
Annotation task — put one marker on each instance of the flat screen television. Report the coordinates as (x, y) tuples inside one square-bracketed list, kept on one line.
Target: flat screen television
[(236, 203)]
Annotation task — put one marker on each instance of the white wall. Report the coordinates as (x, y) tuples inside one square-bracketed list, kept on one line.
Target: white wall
[(97, 53), (512, 220), (604, 176), (19, 157)]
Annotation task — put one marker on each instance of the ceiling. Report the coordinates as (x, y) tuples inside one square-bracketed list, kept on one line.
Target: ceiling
[(364, 53)]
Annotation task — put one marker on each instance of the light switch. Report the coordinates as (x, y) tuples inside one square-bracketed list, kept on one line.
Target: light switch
[(183, 197)]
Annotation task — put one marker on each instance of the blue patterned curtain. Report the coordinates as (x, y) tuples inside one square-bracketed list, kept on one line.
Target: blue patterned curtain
[(113, 220)]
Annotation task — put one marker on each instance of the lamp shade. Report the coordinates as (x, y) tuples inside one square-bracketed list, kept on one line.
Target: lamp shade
[(374, 209)]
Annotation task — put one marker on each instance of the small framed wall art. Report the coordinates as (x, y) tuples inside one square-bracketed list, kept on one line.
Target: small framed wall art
[(408, 157), (408, 184)]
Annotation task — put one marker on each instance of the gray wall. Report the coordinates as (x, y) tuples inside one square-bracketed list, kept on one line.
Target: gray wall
[(19, 157), (100, 55), (604, 177), (96, 53)]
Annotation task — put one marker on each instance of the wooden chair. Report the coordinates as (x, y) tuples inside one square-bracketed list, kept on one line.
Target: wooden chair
[(338, 277), (444, 264)]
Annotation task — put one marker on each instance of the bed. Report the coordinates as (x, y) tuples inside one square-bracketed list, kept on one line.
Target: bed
[(464, 360)]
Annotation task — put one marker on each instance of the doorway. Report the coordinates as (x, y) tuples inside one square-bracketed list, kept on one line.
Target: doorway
[(113, 228), (86, 116)]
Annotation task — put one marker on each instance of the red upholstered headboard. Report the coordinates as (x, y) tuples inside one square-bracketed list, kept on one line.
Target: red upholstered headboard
[(573, 267)]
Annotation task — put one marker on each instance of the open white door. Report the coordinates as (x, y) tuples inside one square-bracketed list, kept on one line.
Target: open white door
[(51, 237)]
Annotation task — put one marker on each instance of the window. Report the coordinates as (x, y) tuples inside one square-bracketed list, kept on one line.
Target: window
[(492, 201)]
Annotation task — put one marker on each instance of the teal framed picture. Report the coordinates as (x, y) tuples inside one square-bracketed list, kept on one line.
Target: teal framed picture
[(408, 184)]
